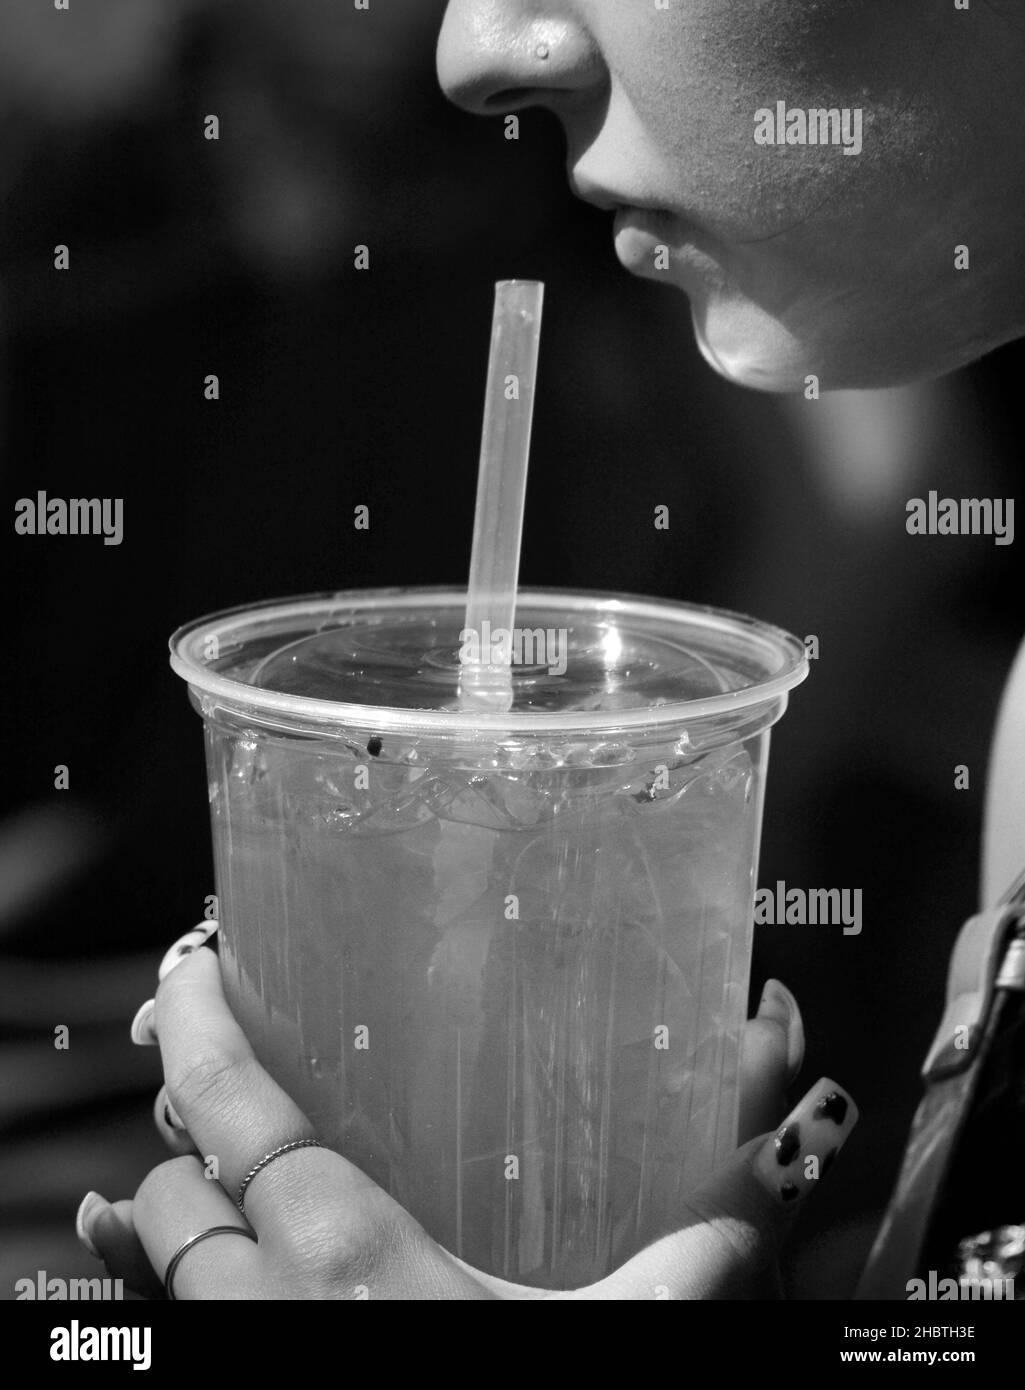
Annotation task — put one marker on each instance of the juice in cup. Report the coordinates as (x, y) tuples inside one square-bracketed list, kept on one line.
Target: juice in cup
[(499, 958)]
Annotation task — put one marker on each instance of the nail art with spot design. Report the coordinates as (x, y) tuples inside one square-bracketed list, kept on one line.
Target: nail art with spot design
[(184, 946), (803, 1148)]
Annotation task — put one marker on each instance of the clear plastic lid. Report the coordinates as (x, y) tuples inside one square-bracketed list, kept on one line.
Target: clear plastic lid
[(581, 662)]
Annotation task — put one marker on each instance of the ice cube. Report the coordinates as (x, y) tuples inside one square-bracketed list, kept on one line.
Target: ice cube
[(469, 798), (248, 759)]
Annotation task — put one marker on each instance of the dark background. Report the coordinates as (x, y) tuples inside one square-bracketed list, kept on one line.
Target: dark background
[(340, 388)]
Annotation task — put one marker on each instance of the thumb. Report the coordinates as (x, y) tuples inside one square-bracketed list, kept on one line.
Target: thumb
[(771, 1053), (731, 1226)]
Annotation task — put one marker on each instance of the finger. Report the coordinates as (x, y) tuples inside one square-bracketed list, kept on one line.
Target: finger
[(735, 1222), (236, 1112), (176, 1202), (144, 1030), (107, 1230), (772, 1050), (169, 1123), (230, 1106), (171, 1126)]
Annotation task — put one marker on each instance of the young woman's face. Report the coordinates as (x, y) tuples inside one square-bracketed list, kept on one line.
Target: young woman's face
[(689, 119)]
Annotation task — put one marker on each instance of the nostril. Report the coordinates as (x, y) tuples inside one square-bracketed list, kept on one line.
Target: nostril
[(509, 98)]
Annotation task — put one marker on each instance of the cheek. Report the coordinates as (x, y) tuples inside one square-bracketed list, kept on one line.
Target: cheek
[(694, 77)]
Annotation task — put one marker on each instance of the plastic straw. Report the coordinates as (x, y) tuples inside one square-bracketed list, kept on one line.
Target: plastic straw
[(486, 675)]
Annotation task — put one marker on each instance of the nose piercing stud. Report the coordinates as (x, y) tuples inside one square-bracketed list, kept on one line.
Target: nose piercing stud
[(542, 52)]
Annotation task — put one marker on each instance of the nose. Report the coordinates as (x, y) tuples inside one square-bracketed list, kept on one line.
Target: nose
[(497, 56)]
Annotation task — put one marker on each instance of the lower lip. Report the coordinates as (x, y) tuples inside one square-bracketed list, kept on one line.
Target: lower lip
[(638, 231)]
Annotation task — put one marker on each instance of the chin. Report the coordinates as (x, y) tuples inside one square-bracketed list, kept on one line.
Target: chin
[(749, 347)]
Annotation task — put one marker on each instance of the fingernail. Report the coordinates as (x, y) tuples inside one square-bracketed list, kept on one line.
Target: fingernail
[(184, 946), (144, 1034), (803, 1148), (164, 1111), (91, 1203), (779, 1006), (777, 1003)]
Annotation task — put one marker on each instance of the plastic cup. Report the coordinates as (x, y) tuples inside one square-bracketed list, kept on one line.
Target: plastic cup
[(500, 959)]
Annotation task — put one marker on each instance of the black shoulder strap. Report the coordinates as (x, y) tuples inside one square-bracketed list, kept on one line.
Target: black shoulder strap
[(986, 978)]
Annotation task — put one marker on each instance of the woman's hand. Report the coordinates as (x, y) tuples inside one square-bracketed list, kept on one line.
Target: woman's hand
[(326, 1231)]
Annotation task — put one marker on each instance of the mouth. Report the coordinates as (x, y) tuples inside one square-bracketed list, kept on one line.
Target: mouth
[(652, 222), (659, 245), (609, 200), (653, 241)]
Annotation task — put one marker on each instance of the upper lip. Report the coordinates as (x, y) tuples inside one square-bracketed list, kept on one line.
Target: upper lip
[(609, 199)]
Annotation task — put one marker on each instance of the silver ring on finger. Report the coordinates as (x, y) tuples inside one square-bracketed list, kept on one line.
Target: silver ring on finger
[(240, 1200), (186, 1246)]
